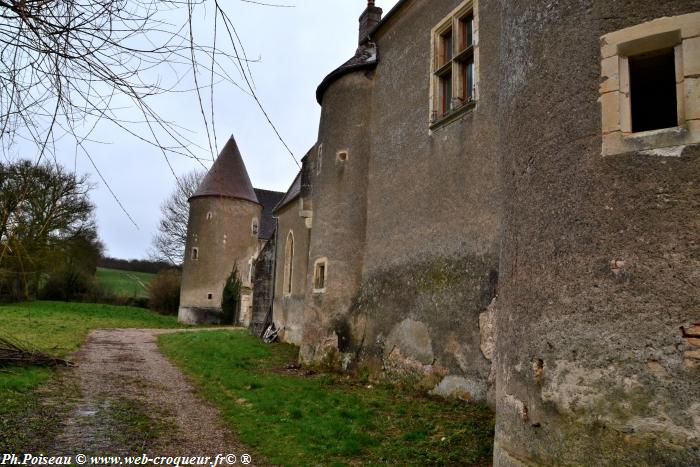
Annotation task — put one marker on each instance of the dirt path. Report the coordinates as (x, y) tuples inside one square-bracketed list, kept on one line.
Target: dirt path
[(132, 400)]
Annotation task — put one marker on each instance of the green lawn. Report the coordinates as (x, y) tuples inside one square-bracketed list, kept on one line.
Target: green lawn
[(125, 283), (56, 328), (291, 419)]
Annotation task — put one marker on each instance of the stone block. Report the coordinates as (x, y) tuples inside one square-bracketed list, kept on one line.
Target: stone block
[(691, 88), (610, 106), (460, 388), (610, 74), (691, 57)]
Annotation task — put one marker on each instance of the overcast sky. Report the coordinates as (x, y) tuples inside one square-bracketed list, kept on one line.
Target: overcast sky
[(297, 47)]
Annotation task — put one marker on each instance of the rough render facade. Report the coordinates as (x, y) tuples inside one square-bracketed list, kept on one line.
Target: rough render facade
[(514, 252)]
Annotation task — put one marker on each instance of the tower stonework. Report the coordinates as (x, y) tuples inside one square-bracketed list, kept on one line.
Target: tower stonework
[(599, 258), (222, 234)]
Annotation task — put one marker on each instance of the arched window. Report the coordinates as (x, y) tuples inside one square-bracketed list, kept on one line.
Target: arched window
[(288, 264)]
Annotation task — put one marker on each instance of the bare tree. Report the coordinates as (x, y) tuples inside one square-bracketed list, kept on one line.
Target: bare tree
[(54, 217), (68, 65), (169, 242)]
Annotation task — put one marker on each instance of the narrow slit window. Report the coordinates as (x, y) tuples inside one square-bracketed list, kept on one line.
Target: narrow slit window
[(320, 276), (653, 91), (195, 253), (288, 264)]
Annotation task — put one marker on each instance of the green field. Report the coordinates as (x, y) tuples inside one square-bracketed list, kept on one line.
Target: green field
[(56, 328), (125, 283), (296, 419)]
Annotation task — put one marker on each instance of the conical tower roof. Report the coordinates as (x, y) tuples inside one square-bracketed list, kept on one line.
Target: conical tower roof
[(228, 177)]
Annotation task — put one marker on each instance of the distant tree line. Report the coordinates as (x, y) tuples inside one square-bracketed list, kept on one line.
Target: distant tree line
[(136, 265)]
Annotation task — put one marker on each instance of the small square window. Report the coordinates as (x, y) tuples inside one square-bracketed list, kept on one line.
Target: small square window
[(210, 296), (320, 271), (648, 88)]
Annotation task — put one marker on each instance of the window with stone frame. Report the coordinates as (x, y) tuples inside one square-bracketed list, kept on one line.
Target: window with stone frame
[(453, 63), (320, 275), (254, 226), (195, 254), (649, 86)]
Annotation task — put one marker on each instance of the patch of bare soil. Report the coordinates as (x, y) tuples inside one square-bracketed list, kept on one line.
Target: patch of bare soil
[(133, 401)]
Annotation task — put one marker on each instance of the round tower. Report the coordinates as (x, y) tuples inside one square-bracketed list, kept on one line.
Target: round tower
[(597, 362), (222, 235)]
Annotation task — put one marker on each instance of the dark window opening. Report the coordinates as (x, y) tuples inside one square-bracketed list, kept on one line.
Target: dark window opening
[(210, 296), (320, 279), (653, 91)]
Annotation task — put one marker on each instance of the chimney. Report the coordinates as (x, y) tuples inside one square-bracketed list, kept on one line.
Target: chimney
[(369, 19)]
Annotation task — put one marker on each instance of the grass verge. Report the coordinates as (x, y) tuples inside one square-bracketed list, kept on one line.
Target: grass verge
[(125, 283), (291, 419), (56, 328)]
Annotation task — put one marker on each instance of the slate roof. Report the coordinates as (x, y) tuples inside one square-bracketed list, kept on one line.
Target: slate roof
[(268, 199), (292, 193), (228, 177)]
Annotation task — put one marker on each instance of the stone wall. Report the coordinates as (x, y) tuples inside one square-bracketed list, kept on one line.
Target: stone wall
[(339, 211), (289, 307), (599, 261)]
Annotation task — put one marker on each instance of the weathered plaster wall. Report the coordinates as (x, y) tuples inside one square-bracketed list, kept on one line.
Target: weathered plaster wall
[(339, 211), (599, 266), (224, 240), (289, 308), (431, 256)]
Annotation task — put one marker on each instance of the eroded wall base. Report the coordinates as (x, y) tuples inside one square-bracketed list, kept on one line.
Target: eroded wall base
[(195, 315)]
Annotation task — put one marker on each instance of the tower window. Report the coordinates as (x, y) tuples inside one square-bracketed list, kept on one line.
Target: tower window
[(195, 254), (653, 91), (342, 156), (254, 227), (210, 296), (209, 215), (320, 271)]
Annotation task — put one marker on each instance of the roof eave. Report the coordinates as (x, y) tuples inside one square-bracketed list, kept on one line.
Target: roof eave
[(189, 200), (339, 72)]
